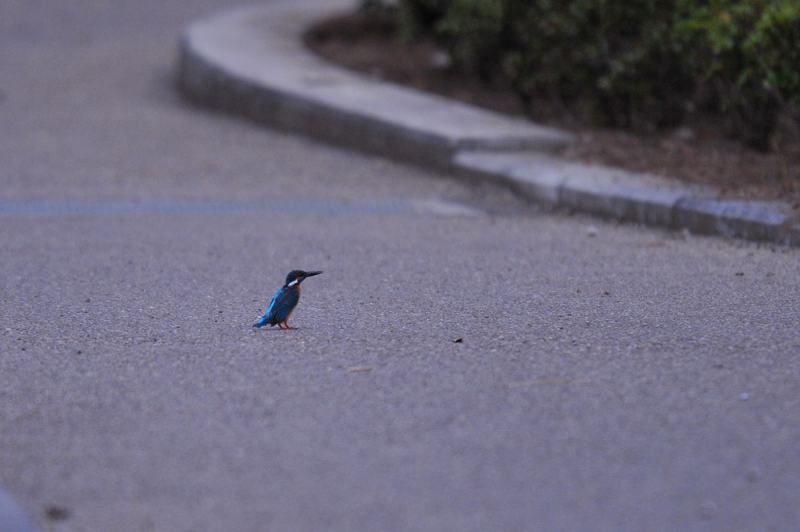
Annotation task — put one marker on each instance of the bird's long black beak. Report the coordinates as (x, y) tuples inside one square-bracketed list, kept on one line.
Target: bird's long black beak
[(312, 274)]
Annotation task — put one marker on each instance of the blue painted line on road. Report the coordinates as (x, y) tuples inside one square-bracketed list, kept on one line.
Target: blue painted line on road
[(12, 517), (275, 208)]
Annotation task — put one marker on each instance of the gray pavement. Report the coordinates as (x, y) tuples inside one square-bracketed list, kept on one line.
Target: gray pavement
[(608, 378)]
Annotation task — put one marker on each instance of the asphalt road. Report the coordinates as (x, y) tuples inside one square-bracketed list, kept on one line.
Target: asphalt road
[(608, 377)]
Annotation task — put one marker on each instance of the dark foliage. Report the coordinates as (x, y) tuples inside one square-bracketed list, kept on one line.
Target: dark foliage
[(629, 63)]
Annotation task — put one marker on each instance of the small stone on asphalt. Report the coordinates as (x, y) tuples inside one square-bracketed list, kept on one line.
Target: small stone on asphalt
[(708, 509), (56, 513)]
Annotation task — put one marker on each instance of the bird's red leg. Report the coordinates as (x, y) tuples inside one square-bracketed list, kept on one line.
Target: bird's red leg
[(289, 327), (280, 325)]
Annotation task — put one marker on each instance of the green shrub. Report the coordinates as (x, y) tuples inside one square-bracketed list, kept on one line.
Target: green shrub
[(714, 36), (616, 56), (773, 48), (635, 63), (474, 32), (419, 17)]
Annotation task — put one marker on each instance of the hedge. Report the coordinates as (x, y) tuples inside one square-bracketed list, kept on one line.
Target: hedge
[(630, 63)]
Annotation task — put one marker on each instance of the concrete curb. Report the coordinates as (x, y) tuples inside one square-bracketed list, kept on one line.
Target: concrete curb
[(632, 197), (252, 61)]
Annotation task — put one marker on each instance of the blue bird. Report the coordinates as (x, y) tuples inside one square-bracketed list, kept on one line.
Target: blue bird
[(284, 301)]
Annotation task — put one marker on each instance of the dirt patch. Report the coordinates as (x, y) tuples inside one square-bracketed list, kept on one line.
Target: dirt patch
[(695, 153)]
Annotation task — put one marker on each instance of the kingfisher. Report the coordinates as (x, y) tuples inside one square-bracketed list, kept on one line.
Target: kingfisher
[(284, 301)]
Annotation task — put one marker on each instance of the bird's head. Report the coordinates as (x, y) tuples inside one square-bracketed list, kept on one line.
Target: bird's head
[(296, 277)]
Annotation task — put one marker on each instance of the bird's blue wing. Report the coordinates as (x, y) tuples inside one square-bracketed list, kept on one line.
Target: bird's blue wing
[(281, 306), (269, 314)]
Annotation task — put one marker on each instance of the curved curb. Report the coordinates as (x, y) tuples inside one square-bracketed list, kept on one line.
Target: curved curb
[(251, 61), (633, 197)]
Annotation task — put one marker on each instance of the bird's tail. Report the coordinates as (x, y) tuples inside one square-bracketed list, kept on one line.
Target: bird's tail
[(260, 323)]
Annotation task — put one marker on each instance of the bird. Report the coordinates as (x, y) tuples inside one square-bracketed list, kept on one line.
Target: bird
[(284, 301)]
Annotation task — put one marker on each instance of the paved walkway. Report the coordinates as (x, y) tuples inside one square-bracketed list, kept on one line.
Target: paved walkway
[(607, 378)]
